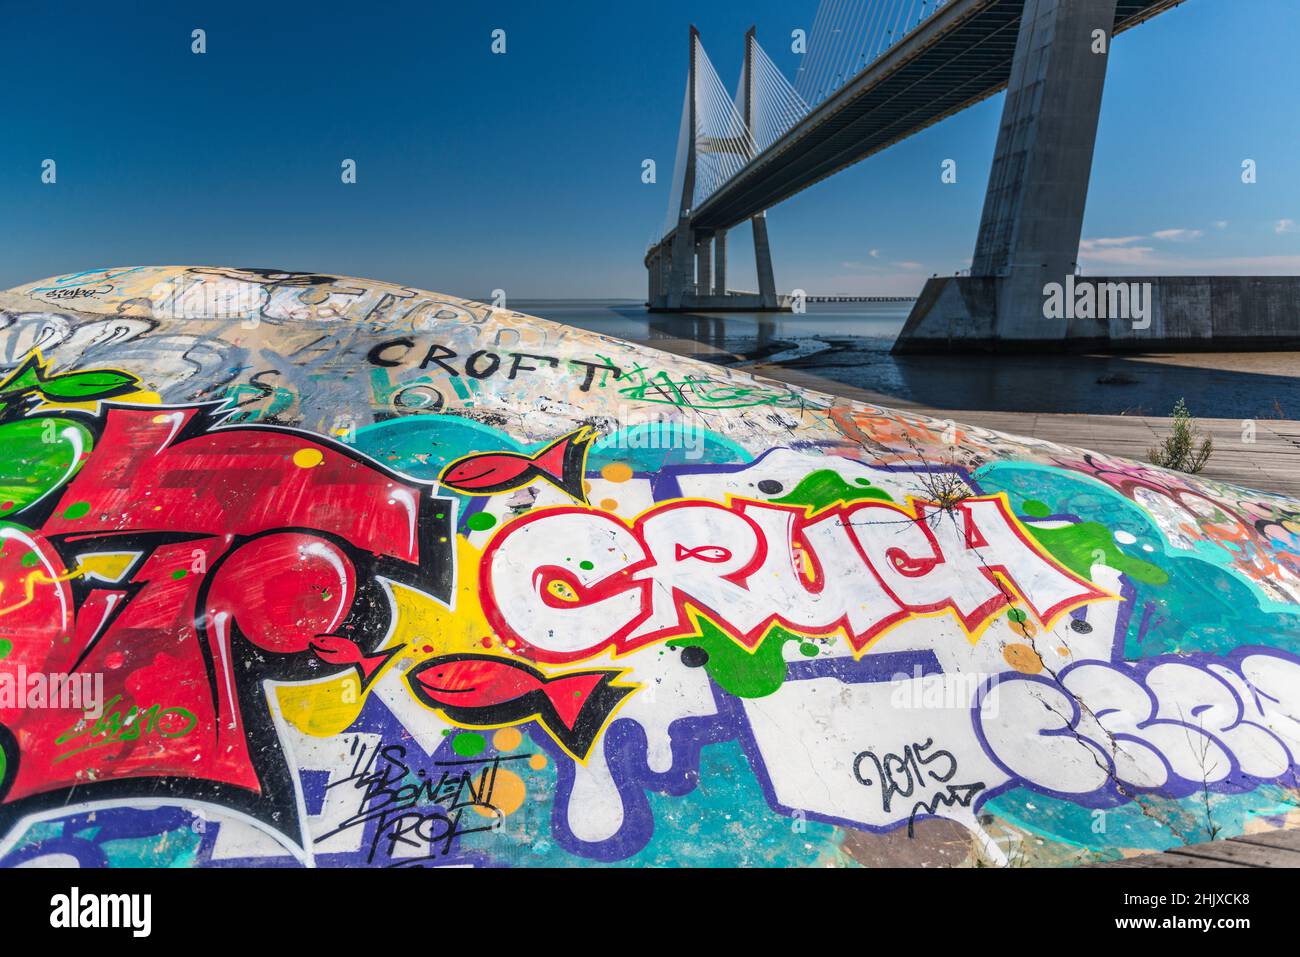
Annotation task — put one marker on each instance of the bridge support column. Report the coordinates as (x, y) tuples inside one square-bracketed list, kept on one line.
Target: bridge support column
[(703, 265), (763, 262), (720, 263), (1038, 187), (681, 274)]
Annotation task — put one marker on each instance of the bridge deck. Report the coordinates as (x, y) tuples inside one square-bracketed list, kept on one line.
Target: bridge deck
[(961, 56)]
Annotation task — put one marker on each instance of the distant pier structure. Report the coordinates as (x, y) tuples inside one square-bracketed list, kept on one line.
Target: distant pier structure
[(859, 299)]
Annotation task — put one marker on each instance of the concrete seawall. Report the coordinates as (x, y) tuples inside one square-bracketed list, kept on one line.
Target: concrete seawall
[(1179, 313)]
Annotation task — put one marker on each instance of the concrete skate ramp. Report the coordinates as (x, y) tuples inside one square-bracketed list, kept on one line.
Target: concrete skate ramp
[(300, 568)]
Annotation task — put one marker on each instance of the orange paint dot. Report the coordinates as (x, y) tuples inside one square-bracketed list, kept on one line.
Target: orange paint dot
[(507, 739), (508, 793), (616, 472), (1023, 658), (609, 504), (537, 762), (307, 458)]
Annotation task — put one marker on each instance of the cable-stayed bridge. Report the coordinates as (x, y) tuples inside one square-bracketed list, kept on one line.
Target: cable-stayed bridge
[(875, 73)]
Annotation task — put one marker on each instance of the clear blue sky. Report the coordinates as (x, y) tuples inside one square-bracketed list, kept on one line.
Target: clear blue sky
[(522, 171)]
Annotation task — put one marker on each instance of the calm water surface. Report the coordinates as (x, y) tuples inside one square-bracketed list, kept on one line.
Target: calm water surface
[(848, 344)]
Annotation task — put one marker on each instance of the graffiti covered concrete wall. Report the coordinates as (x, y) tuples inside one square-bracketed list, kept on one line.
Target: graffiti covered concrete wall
[(306, 569)]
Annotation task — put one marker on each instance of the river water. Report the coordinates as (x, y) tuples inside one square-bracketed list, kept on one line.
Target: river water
[(847, 344)]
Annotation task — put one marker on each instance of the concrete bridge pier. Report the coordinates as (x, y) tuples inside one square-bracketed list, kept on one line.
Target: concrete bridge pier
[(763, 263), (1038, 187), (720, 263), (689, 274), (704, 265), (681, 273)]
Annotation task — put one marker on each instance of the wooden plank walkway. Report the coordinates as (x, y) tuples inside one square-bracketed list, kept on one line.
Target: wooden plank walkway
[(1273, 849), (1268, 460)]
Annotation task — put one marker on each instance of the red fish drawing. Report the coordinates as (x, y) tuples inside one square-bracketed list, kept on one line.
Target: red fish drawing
[(337, 650), (489, 691), (713, 554), (562, 463)]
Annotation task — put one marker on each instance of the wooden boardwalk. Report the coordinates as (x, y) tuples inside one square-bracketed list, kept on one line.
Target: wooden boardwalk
[(1267, 459), (1273, 849)]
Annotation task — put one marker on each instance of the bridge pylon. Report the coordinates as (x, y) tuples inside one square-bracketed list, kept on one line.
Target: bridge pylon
[(688, 270), (762, 250)]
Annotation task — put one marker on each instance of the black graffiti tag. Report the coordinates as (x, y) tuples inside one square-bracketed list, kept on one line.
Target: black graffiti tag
[(412, 808), (909, 774)]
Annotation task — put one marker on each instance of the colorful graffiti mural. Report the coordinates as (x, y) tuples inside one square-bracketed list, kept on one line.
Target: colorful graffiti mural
[(306, 569)]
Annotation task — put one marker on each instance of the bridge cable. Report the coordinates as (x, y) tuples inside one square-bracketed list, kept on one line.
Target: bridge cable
[(848, 37), (778, 105)]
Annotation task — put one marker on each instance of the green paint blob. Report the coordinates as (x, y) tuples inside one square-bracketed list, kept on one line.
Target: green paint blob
[(736, 670), (76, 510), (1017, 615), (585, 565), (468, 745), (30, 560), (179, 574), (1074, 546), (1035, 509), (480, 521), (31, 464), (6, 646), (809, 650), (824, 488)]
